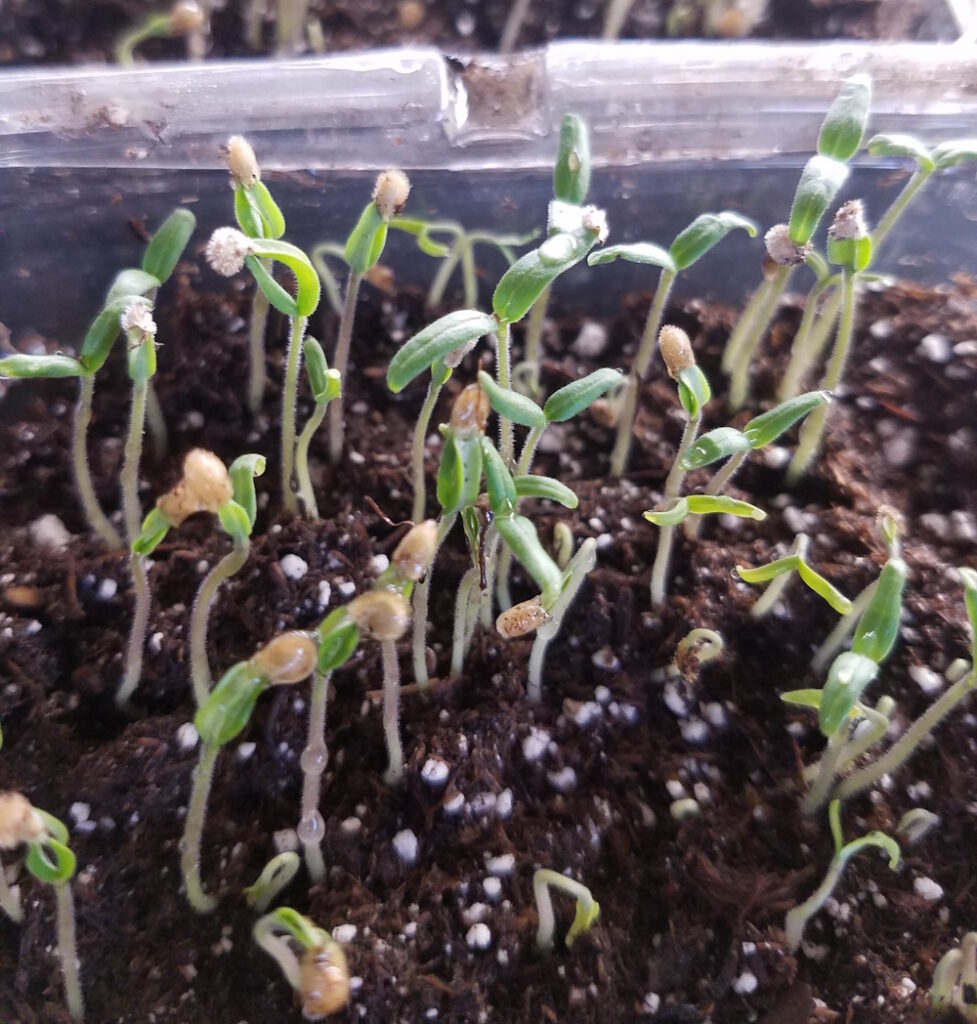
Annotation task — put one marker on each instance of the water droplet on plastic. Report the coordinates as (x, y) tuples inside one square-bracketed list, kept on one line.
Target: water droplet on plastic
[(311, 828)]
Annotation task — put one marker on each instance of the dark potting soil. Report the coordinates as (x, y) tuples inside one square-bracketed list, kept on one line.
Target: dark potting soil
[(691, 911), (55, 32)]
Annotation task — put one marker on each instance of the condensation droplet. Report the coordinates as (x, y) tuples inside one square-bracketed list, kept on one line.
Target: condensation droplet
[(314, 758), (311, 828)]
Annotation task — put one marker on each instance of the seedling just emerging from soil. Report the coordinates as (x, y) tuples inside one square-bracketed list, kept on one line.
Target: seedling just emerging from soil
[(50, 861), (797, 918), (229, 494), (287, 659), (319, 974), (326, 385), (688, 247), (229, 251), (955, 980), (185, 18), (588, 909), (129, 287), (276, 876)]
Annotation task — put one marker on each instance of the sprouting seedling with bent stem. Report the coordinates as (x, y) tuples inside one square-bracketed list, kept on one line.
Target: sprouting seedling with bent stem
[(51, 861), (697, 648), (229, 251), (326, 385), (258, 216), (850, 245), (689, 246), (184, 18), (815, 329), (735, 445), (319, 974), (287, 659), (780, 572), (693, 392), (129, 286), (588, 909), (852, 672), (955, 980), (562, 406), (455, 245), (789, 245), (227, 493), (798, 917), (275, 877), (364, 248)]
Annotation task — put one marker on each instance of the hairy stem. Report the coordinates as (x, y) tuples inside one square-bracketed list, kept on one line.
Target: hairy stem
[(837, 638), (68, 951), (137, 632), (203, 777), (315, 757), (827, 770), (625, 426), (97, 519), (417, 450), (133, 455), (156, 424), (798, 917), (808, 343), (739, 387), (394, 774), (513, 23), (673, 485), (534, 338), (289, 402), (439, 283), (467, 598), (906, 745), (256, 347), (743, 330), (813, 429), (230, 564), (305, 492), (506, 440), (337, 424), (468, 276)]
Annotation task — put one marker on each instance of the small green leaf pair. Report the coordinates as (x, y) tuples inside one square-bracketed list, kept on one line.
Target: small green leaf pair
[(49, 859), (561, 406), (701, 505)]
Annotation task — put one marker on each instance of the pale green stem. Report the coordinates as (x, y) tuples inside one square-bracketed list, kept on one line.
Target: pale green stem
[(798, 917), (97, 519), (743, 330), (417, 450), (716, 485), (906, 745), (394, 774), (156, 424), (739, 386), (828, 766), (337, 424), (137, 564), (253, 23), (154, 27), (625, 426), (203, 777), (898, 207), (504, 564), (468, 598), (289, 402), (673, 485), (290, 25), (807, 344), (315, 757), (513, 23), (617, 15), (256, 344), (276, 877), (230, 564), (534, 337), (305, 492), (542, 880), (68, 951), (422, 593), (838, 637), (440, 281), (506, 440), (581, 564), (878, 721), (491, 565), (9, 900), (468, 276), (809, 442), (278, 947), (775, 590)]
